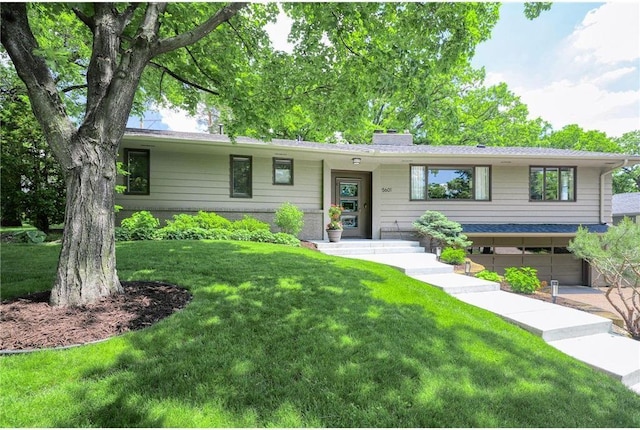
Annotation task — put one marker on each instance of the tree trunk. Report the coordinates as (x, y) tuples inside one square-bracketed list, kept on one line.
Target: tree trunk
[(87, 265)]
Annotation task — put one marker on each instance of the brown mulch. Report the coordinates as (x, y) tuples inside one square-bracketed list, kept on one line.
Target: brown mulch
[(30, 323)]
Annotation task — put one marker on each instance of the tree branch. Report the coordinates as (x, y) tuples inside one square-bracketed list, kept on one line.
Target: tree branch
[(181, 79), (20, 44), (72, 88), (187, 38)]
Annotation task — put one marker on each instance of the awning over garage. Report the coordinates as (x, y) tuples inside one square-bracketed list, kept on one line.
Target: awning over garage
[(537, 229)]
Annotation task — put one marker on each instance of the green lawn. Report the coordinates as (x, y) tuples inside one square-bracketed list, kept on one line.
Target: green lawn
[(286, 337)]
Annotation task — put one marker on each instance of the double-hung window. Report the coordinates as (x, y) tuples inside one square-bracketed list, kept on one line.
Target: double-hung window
[(450, 182), (240, 176), (136, 163), (552, 183)]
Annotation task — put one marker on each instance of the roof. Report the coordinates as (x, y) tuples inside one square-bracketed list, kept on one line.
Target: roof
[(532, 228), (625, 204), (365, 149)]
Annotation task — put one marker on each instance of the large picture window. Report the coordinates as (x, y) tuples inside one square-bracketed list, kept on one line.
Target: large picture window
[(282, 171), (552, 183), (240, 179), (450, 182), (136, 163)]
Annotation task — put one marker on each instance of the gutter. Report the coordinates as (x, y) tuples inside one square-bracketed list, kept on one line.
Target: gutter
[(602, 175)]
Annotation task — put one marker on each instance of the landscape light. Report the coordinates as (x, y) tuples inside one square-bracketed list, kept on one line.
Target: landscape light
[(554, 290)]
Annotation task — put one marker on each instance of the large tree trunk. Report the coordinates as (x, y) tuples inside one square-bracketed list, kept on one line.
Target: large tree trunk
[(87, 265)]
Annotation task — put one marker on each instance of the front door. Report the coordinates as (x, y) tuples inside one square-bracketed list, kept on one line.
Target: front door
[(352, 191)]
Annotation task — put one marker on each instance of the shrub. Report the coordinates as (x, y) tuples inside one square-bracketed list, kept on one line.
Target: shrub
[(439, 228), (249, 223), (453, 256), (183, 221), (290, 219), (122, 234), (240, 235), (522, 279), (171, 232), (488, 275), (261, 236), (219, 234), (140, 225), (30, 236), (286, 239), (211, 220)]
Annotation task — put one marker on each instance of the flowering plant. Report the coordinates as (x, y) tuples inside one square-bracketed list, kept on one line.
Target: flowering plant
[(334, 217)]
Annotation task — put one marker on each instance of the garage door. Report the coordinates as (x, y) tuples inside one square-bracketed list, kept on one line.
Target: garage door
[(549, 256)]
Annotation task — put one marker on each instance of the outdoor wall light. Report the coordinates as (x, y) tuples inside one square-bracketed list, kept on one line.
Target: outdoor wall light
[(467, 267), (356, 160), (554, 289), (438, 252)]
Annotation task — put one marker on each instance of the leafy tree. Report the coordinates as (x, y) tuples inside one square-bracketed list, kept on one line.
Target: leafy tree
[(616, 256), (627, 179), (32, 184), (87, 67), (574, 137)]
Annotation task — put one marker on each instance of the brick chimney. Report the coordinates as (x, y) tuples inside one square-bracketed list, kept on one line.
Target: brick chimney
[(392, 137)]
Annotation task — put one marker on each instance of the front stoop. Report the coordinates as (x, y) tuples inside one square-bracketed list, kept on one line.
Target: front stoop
[(348, 247), (615, 355)]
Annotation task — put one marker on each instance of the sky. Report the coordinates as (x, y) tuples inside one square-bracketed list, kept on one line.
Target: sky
[(578, 63)]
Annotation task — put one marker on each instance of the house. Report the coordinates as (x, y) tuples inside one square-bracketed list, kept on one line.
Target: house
[(519, 206), (626, 205)]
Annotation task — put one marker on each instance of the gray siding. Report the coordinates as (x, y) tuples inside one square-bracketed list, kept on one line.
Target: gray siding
[(188, 182), (509, 204)]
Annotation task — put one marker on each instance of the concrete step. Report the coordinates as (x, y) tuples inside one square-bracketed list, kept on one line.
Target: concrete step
[(615, 355), (411, 264), (453, 283), (365, 247), (369, 250), (547, 320)]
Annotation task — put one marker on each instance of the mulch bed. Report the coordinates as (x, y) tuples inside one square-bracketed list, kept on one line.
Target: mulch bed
[(30, 323)]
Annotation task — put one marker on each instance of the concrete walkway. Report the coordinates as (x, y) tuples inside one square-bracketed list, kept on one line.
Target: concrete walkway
[(582, 335)]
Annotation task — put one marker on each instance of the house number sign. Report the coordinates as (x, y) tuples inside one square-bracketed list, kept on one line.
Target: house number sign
[(386, 190)]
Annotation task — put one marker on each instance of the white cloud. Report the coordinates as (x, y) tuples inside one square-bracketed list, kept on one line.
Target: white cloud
[(613, 75), (584, 103), (608, 34)]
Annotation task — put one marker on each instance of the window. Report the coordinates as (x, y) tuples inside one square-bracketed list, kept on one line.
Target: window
[(450, 182), (552, 184), (136, 162), (282, 171), (240, 176)]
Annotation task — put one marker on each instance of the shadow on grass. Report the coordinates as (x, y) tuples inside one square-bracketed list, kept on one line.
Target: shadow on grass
[(295, 339)]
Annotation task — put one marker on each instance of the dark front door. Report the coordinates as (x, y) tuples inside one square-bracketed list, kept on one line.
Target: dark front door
[(352, 191)]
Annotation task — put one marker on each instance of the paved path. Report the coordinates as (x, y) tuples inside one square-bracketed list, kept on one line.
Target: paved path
[(587, 337)]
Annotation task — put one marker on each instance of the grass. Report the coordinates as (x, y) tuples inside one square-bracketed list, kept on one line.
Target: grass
[(286, 337)]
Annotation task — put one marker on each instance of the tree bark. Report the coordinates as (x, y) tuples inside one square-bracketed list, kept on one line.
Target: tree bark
[(87, 266)]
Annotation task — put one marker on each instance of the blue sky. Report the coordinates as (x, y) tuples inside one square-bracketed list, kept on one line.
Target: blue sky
[(578, 63)]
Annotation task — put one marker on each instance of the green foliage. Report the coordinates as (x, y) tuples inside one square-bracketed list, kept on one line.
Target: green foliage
[(573, 136), (627, 179), (211, 220), (122, 234), (522, 279), (32, 183), (286, 239), (488, 275), (30, 236), (140, 225), (453, 256), (616, 255), (249, 223), (289, 218), (439, 228)]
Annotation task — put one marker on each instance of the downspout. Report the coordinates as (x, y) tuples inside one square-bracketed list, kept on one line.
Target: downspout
[(602, 175)]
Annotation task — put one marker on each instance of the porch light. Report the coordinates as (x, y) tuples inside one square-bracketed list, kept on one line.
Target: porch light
[(467, 267), (438, 252), (554, 290), (356, 160)]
